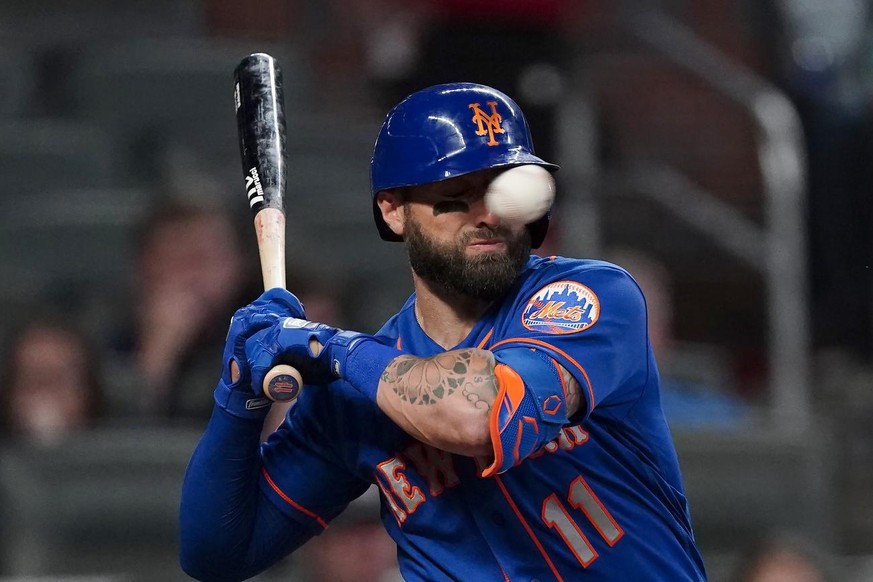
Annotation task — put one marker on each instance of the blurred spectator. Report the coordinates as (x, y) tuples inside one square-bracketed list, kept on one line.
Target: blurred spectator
[(695, 388), (517, 46), (50, 382), (782, 558), (190, 276), (274, 20)]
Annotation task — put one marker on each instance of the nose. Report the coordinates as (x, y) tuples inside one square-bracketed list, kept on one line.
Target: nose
[(481, 215)]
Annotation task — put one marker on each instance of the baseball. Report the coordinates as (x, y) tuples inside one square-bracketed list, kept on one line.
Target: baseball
[(521, 194)]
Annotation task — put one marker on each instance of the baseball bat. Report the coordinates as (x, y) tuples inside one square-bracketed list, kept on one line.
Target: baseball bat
[(260, 119)]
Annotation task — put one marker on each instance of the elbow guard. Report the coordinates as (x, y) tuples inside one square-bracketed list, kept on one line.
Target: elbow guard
[(530, 407)]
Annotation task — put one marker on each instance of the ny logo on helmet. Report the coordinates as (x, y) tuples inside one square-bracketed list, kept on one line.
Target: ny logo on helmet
[(487, 124)]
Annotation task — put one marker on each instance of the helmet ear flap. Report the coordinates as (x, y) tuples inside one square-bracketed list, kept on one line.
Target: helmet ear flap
[(538, 230)]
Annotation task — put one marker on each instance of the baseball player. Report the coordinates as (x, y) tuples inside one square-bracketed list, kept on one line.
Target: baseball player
[(509, 412)]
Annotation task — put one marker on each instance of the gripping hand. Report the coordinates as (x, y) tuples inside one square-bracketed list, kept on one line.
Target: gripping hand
[(319, 351), (234, 392)]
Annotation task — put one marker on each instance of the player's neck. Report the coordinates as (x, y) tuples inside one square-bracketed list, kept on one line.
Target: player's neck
[(446, 319)]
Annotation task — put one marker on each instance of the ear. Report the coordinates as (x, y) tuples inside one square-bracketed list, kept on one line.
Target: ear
[(390, 204)]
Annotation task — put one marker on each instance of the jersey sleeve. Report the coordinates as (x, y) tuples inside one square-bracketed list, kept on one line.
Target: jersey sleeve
[(309, 465), (590, 319)]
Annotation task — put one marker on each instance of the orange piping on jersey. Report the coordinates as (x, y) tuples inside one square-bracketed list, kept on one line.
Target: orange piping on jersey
[(502, 571), (290, 501), (485, 339), (527, 528), (510, 392), (398, 343), (537, 342)]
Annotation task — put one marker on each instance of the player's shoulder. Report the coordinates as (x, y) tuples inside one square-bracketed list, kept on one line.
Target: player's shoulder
[(557, 288), (544, 270)]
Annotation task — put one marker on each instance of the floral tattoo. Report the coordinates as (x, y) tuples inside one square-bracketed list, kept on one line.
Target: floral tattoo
[(424, 381)]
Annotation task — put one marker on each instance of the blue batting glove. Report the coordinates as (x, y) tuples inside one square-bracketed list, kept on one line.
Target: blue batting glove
[(239, 396), (318, 351), (293, 341)]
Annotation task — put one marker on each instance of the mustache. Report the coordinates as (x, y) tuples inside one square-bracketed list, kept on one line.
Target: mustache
[(488, 233)]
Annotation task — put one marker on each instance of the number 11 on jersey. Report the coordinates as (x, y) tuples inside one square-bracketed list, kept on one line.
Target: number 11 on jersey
[(581, 497)]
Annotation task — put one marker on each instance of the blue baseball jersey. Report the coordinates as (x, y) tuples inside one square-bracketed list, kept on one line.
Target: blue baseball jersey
[(603, 501)]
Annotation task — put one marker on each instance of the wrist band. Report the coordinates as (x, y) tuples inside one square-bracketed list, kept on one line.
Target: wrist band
[(239, 403), (365, 362)]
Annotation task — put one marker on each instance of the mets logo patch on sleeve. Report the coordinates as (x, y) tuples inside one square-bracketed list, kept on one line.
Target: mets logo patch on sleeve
[(561, 307)]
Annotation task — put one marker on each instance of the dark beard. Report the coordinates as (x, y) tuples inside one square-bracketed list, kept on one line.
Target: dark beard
[(485, 277)]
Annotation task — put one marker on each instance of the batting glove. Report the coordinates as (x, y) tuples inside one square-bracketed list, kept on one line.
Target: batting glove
[(239, 396), (295, 341), (320, 352)]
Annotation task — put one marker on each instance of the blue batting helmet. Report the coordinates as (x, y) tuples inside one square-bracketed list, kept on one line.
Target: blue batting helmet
[(447, 131)]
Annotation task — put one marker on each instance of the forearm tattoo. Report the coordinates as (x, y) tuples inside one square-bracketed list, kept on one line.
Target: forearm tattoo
[(426, 381)]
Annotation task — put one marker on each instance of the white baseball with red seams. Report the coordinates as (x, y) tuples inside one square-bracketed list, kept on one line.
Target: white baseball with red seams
[(521, 194)]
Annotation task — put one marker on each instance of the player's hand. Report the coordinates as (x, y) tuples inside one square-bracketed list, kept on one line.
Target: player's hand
[(317, 350), (235, 392), (266, 310)]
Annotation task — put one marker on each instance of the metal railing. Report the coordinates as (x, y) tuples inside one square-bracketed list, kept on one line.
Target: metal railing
[(778, 249)]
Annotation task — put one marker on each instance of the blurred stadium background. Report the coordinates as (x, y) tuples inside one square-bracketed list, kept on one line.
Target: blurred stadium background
[(730, 141)]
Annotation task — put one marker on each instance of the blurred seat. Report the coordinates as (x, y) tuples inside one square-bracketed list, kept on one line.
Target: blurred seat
[(50, 22), (328, 201), (179, 91), (746, 483), (146, 81), (67, 240), (19, 80), (39, 154), (330, 220), (101, 503)]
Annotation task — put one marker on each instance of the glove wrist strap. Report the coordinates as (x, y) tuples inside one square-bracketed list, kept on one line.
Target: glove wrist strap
[(239, 403), (365, 360)]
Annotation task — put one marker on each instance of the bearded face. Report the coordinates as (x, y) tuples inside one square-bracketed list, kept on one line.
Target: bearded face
[(482, 276)]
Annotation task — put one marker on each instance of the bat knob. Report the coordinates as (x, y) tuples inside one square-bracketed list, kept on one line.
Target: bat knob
[(282, 383)]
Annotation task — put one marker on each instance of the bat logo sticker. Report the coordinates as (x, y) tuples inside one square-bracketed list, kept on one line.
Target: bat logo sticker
[(253, 187)]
